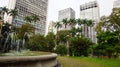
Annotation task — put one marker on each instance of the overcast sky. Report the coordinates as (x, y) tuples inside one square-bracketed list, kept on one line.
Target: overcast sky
[(56, 5)]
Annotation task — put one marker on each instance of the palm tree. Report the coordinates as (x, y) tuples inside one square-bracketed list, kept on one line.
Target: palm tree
[(65, 22), (5, 10), (35, 18), (72, 22), (58, 25), (13, 13), (89, 22), (28, 19), (79, 22)]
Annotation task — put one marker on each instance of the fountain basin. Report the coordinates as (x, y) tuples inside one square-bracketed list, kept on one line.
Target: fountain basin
[(29, 61)]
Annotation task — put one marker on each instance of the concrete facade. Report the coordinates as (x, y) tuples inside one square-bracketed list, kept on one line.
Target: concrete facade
[(116, 4), (27, 8), (51, 27), (90, 11), (68, 13)]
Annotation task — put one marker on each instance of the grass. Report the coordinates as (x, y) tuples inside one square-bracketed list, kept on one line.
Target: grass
[(88, 62)]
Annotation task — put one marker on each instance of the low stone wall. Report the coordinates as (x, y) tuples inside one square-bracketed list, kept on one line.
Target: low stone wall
[(29, 61)]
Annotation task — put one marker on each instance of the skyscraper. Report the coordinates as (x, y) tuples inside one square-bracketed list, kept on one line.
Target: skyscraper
[(116, 4), (68, 13), (27, 8), (90, 11), (51, 27)]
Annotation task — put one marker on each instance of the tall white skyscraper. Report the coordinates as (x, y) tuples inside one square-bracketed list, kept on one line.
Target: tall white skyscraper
[(68, 13), (51, 27), (116, 4), (27, 8), (90, 11)]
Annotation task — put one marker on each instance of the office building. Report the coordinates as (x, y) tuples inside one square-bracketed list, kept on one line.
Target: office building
[(28, 8), (68, 13), (90, 11), (51, 27), (116, 4)]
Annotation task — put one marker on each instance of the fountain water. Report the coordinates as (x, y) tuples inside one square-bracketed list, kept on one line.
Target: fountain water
[(9, 41)]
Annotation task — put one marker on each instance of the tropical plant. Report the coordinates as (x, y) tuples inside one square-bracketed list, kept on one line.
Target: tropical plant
[(50, 39), (72, 22), (13, 13), (37, 43), (58, 25), (28, 19), (35, 18), (61, 50), (62, 36), (25, 28), (79, 46), (65, 22)]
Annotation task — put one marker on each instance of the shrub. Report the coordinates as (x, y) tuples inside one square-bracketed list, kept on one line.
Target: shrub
[(79, 46), (37, 43), (61, 49), (50, 38)]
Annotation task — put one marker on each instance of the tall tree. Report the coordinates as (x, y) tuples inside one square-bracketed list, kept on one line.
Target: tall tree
[(13, 13), (28, 19), (35, 18), (65, 22), (58, 25), (5, 10), (72, 22)]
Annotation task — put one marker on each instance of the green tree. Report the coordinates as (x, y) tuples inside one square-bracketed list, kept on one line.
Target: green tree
[(25, 28), (13, 13), (72, 22), (61, 50), (28, 19), (62, 36), (58, 25), (65, 22), (51, 41), (79, 46), (37, 43), (35, 18)]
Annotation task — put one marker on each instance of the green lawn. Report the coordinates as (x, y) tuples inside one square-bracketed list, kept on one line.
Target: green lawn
[(88, 62)]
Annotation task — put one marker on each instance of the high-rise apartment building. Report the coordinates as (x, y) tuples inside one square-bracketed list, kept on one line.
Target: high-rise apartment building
[(51, 27), (116, 4), (90, 11), (68, 13), (27, 8)]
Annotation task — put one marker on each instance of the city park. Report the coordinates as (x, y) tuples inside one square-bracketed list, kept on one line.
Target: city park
[(70, 47)]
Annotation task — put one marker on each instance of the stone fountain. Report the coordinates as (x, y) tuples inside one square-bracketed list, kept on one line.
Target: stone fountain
[(9, 42)]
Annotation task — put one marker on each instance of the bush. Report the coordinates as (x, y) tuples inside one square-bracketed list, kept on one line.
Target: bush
[(37, 43), (79, 46), (50, 38), (61, 49)]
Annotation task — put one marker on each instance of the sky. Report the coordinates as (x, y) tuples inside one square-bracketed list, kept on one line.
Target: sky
[(55, 5)]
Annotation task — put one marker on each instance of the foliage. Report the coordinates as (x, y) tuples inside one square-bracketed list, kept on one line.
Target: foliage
[(61, 49), (13, 13), (50, 38), (108, 34), (108, 41), (24, 29), (62, 36), (37, 43), (79, 46), (32, 18)]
